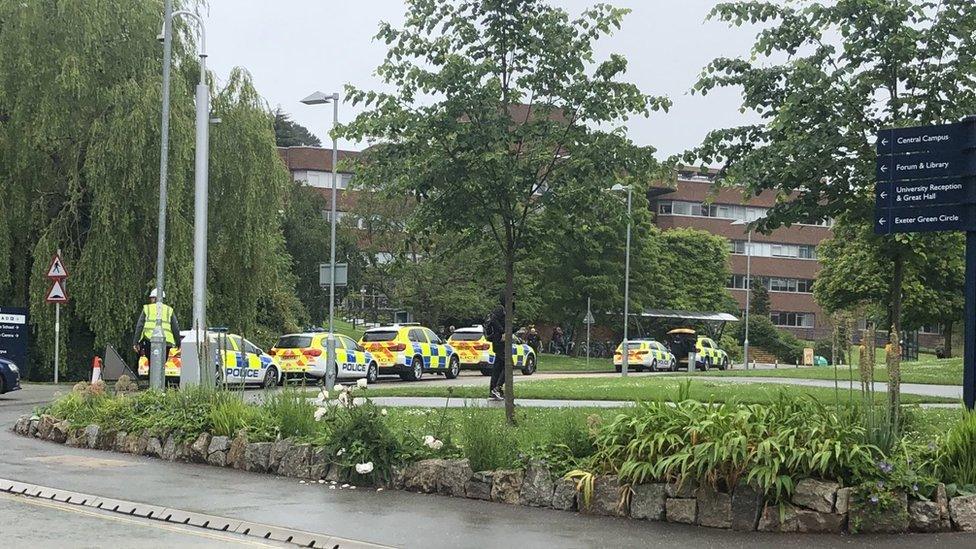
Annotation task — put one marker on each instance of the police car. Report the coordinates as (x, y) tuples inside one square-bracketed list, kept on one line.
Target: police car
[(707, 353), (476, 353), (644, 354), (304, 356), (410, 350), (237, 361)]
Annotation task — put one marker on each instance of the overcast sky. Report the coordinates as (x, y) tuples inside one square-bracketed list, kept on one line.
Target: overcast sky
[(295, 47)]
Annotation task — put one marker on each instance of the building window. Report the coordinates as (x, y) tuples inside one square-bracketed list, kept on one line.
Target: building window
[(770, 249), (323, 180), (935, 329), (774, 284), (791, 319), (736, 212)]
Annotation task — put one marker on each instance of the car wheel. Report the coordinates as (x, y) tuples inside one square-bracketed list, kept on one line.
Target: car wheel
[(486, 371), (529, 367), (372, 373), (618, 367), (706, 364), (270, 378), (654, 365), (673, 367), (416, 369), (453, 368), (725, 364), (3, 386)]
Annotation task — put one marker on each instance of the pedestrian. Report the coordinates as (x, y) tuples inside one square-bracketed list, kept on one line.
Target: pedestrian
[(495, 333), (533, 338), (558, 340), (142, 338)]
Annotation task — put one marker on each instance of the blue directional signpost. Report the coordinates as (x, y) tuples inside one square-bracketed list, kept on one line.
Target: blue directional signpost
[(926, 181)]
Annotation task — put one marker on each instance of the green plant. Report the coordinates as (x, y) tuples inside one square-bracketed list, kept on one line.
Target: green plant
[(957, 453), (356, 436), (230, 416), (292, 414), (488, 442)]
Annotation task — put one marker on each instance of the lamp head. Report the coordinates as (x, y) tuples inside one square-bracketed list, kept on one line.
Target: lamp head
[(319, 98), (619, 187)]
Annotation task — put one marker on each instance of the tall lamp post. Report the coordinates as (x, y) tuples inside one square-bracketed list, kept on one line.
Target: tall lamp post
[(157, 341), (205, 373), (625, 348), (319, 98), (745, 342)]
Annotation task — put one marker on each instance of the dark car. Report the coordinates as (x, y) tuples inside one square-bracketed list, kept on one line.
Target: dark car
[(9, 376)]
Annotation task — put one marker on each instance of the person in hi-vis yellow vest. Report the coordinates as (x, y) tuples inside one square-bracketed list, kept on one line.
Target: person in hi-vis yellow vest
[(147, 323)]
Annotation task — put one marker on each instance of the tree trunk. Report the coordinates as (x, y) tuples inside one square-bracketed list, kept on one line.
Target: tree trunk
[(948, 338), (895, 296), (509, 314)]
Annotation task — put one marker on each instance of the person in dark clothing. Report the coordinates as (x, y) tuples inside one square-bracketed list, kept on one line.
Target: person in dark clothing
[(495, 332)]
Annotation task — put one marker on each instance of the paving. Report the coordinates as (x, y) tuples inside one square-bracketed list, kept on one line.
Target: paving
[(388, 517)]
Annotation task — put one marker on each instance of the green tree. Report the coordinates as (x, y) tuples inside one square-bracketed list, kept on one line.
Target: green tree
[(824, 77), (758, 297), (698, 269), (80, 87), (289, 133), (495, 113)]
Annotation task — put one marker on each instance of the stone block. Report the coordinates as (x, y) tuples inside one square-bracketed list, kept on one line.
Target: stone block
[(537, 485), (747, 505), (454, 476), (607, 498), (816, 494), (296, 462), (45, 425), (32, 428), (564, 495), (235, 455), (779, 518), (59, 432), (257, 455), (76, 437), (714, 508), (319, 466), (22, 425), (647, 501), (118, 445), (154, 448), (278, 451), (683, 510), (842, 504), (889, 515), (962, 510), (91, 436), (135, 443), (105, 440), (174, 449), (200, 448), (506, 485), (926, 516), (815, 522), (423, 476), (682, 489), (479, 486), (217, 451)]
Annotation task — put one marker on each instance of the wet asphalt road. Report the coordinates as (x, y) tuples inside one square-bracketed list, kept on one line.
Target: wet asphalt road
[(392, 518)]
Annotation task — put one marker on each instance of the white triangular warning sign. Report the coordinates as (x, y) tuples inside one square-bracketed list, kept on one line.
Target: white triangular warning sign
[(57, 293), (57, 270)]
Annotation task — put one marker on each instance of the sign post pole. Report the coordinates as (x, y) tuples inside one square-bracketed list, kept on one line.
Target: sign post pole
[(57, 340), (57, 295), (589, 318), (969, 350)]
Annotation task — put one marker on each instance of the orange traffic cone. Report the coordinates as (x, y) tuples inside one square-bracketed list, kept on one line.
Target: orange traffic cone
[(96, 369)]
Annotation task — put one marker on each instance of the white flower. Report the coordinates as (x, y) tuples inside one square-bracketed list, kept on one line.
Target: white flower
[(341, 451), (320, 413), (344, 486), (428, 440), (433, 443), (383, 412), (321, 481), (361, 383), (323, 396), (343, 398), (301, 482), (339, 387), (364, 468), (437, 445)]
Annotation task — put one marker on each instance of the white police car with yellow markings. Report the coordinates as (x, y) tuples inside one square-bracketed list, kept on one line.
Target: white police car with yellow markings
[(303, 355), (237, 360), (644, 354), (476, 352), (410, 350)]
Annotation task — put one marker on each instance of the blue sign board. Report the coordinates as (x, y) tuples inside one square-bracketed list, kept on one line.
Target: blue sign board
[(927, 192), (914, 219), (926, 165), (14, 333), (944, 137)]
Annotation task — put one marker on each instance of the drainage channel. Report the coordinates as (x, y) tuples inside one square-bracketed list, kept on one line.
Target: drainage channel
[(177, 516)]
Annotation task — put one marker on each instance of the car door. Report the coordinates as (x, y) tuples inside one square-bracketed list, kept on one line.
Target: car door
[(257, 362), (421, 345), (438, 350)]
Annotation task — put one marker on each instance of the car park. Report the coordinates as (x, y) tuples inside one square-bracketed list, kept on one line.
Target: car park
[(410, 351), (9, 376), (682, 341), (475, 352), (238, 361), (645, 354), (303, 355)]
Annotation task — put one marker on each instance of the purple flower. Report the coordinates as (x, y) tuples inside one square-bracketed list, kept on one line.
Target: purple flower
[(880, 485), (885, 467), (874, 499), (915, 487)]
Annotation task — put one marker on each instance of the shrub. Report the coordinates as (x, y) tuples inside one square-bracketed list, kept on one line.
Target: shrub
[(228, 416), (292, 414), (957, 455), (356, 434), (728, 344), (488, 442), (762, 333)]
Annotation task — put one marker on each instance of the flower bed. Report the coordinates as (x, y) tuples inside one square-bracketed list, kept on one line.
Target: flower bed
[(791, 467)]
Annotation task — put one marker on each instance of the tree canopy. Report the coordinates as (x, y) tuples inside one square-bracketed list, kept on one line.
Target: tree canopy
[(289, 133)]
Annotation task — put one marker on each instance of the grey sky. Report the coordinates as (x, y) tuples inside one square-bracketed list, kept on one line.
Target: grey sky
[(294, 47)]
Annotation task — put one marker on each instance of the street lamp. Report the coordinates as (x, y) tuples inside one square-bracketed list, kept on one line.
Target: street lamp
[(204, 373), (745, 342), (319, 98), (623, 361)]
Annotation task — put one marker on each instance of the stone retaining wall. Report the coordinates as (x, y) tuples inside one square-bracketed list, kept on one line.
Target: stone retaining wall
[(816, 506)]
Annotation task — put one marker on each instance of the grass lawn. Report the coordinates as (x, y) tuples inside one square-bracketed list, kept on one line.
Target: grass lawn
[(346, 328), (928, 370), (640, 388), (562, 363)]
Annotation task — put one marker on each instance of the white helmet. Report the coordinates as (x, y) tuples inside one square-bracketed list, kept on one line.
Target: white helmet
[(152, 294)]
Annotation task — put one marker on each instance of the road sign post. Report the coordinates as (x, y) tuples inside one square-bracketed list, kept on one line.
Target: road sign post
[(927, 182), (588, 320), (57, 295)]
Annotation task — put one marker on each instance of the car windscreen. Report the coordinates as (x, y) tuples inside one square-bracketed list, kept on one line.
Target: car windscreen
[(380, 335), (466, 336), (294, 342)]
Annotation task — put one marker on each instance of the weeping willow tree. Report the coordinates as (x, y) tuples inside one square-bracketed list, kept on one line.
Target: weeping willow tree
[(80, 96)]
